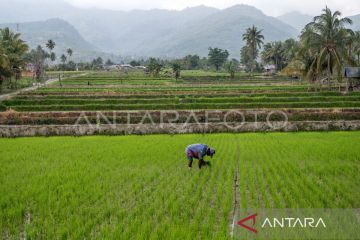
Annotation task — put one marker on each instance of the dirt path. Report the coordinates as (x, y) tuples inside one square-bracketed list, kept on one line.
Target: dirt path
[(28, 89), (236, 191)]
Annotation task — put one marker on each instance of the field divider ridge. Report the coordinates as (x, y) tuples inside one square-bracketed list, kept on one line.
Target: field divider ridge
[(236, 190)]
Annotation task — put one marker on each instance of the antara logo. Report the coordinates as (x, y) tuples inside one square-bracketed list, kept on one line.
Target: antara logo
[(253, 218), (293, 222), (281, 223)]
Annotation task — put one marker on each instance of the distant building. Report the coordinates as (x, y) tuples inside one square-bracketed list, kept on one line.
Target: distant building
[(30, 67), (270, 69), (141, 67), (112, 67), (352, 75), (126, 67), (352, 72), (242, 67), (122, 67)]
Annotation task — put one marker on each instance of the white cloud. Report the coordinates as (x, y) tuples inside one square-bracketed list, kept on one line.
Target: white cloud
[(270, 7)]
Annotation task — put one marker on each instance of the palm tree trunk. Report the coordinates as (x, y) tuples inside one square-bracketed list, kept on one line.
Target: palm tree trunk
[(328, 69), (253, 59), (1, 82), (350, 49)]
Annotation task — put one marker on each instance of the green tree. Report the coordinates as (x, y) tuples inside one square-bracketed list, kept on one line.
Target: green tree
[(274, 53), (99, 61), (254, 41), (69, 52), (51, 45), (14, 48), (245, 58), (231, 67), (154, 67), (63, 58), (356, 47), (324, 37), (109, 62), (135, 63), (96, 63), (290, 49), (176, 68), (217, 57), (5, 70), (38, 57), (52, 57), (191, 62)]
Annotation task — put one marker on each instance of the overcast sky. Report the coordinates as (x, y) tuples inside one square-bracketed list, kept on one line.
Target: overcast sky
[(270, 7)]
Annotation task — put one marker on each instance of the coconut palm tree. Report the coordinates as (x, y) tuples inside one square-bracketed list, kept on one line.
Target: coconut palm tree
[(176, 68), (52, 57), (326, 36), (5, 70), (356, 47), (4, 62), (63, 58), (231, 68), (69, 51), (14, 48), (51, 45), (254, 41), (274, 53), (37, 57)]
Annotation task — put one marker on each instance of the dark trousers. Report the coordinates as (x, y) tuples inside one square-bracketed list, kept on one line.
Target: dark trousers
[(201, 163)]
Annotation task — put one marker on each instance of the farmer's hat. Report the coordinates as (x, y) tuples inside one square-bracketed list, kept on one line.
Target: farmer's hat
[(211, 152)]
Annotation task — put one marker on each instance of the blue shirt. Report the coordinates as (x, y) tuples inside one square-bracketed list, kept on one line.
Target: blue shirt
[(196, 151)]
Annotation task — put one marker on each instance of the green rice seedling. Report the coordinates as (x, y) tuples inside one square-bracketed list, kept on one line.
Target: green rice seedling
[(109, 187)]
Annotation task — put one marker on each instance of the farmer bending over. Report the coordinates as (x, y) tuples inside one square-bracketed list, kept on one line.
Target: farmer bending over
[(199, 151)]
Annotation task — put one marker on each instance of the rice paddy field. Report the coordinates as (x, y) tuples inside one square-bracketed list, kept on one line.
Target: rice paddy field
[(139, 187), (195, 90)]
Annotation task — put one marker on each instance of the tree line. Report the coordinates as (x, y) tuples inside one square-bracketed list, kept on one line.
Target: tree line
[(15, 57), (325, 46), (12, 51)]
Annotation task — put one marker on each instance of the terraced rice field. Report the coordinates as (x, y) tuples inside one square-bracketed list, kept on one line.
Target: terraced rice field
[(108, 91), (139, 187)]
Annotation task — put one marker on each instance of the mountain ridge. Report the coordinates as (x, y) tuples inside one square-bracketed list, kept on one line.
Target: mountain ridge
[(356, 22), (160, 32), (224, 29), (61, 32), (296, 19)]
